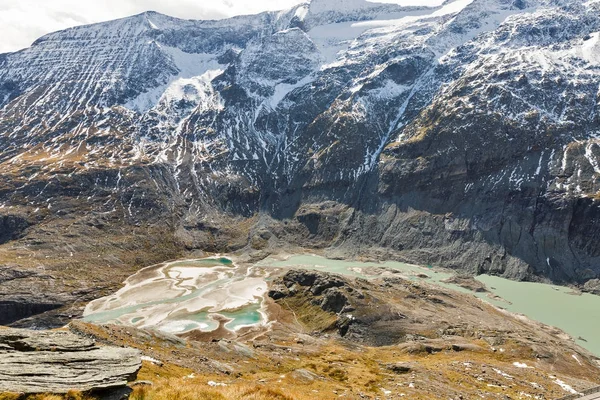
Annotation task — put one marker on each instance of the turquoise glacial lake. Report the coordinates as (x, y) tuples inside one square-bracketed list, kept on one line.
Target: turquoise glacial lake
[(576, 314)]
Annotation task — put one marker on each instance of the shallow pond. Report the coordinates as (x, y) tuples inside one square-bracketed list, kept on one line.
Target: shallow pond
[(185, 295)]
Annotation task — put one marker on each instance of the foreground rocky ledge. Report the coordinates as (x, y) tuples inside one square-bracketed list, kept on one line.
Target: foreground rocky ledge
[(59, 361)]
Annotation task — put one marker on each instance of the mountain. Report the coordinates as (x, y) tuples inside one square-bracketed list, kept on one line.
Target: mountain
[(464, 135)]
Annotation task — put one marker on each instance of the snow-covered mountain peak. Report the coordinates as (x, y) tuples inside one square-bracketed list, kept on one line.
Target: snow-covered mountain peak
[(330, 99), (122, 28)]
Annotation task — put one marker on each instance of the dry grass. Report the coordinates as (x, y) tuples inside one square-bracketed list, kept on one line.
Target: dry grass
[(352, 372), (310, 316), (281, 361), (181, 389), (71, 395), (347, 370)]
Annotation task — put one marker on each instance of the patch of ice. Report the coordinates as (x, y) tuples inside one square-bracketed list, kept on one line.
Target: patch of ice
[(589, 154), (322, 6), (152, 25), (590, 50), (181, 326), (452, 8), (390, 90), (415, 3), (332, 39)]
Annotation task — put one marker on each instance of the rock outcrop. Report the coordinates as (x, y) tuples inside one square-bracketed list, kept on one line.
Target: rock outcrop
[(395, 311), (59, 361), (592, 286)]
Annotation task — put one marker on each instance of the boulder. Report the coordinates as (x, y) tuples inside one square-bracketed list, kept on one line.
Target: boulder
[(466, 347), (592, 286), (59, 361), (400, 367), (304, 376)]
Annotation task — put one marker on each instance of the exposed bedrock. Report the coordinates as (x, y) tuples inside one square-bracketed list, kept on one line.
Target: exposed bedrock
[(60, 361), (492, 200), (12, 227), (12, 311)]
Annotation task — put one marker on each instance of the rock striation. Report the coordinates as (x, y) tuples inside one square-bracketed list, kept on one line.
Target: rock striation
[(59, 361), (464, 136)]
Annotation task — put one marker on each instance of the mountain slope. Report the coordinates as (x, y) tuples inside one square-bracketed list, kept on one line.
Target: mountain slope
[(464, 135)]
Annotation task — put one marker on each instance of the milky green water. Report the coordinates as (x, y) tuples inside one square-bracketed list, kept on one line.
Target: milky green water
[(578, 315), (351, 268), (247, 316), (201, 320)]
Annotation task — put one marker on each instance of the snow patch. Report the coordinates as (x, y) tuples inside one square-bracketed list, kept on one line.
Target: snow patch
[(301, 13), (190, 65), (151, 360), (503, 374), (333, 39), (321, 6), (589, 50), (282, 90), (565, 387), (152, 25), (521, 365), (589, 154)]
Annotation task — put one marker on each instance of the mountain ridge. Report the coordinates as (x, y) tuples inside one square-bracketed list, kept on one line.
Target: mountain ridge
[(464, 135)]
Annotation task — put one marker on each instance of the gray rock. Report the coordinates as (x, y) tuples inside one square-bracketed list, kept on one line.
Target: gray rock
[(400, 367), (278, 292), (333, 300), (466, 347), (325, 282), (26, 341), (592, 286), (317, 282), (59, 361), (300, 277), (304, 376)]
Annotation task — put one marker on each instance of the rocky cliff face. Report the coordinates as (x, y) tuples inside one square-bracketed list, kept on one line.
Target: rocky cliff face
[(463, 135)]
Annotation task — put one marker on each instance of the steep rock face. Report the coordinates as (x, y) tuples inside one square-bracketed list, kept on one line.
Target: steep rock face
[(464, 135), (524, 178), (11, 227)]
